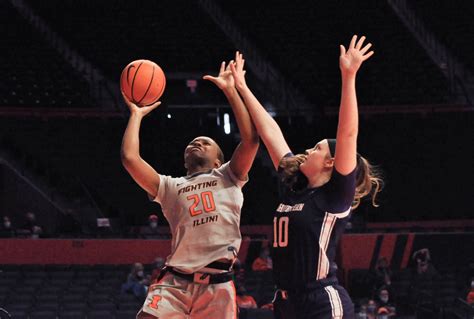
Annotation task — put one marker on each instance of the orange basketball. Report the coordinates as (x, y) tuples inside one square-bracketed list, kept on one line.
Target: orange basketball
[(143, 82)]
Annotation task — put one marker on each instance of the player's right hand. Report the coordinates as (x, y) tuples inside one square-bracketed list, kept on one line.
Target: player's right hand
[(139, 110), (238, 72)]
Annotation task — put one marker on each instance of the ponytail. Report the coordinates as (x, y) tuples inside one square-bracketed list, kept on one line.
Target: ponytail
[(368, 181), (292, 176)]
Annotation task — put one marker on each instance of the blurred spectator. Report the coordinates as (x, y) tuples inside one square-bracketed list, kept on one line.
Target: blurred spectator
[(31, 227), (263, 262), (6, 228), (137, 283), (371, 309), (382, 274), (470, 295), (239, 273), (384, 302), (158, 264), (244, 300), (424, 278), (362, 314), (151, 230)]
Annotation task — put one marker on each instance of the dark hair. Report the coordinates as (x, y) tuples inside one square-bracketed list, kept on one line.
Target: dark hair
[(368, 180), (220, 154)]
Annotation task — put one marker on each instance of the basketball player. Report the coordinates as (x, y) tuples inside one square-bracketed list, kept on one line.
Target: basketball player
[(203, 210), (318, 189)]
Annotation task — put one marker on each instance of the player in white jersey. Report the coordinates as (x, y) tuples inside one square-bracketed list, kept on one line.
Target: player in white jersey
[(203, 210)]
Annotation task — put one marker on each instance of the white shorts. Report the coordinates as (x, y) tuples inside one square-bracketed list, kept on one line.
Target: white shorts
[(177, 298)]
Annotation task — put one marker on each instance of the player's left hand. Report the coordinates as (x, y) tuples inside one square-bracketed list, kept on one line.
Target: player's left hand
[(350, 61), (224, 80)]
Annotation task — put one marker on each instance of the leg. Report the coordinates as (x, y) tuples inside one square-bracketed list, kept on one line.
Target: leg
[(215, 301), (170, 298)]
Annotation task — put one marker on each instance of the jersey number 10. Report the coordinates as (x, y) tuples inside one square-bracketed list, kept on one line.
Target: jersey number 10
[(280, 231)]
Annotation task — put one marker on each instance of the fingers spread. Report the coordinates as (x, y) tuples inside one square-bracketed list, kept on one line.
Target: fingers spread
[(353, 42), (364, 49), (222, 67), (342, 49), (360, 42), (368, 55)]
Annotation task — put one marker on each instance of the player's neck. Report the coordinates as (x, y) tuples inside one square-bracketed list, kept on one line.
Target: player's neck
[(319, 180), (199, 169)]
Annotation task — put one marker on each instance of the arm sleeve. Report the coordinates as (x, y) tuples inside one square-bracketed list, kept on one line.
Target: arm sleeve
[(165, 181), (339, 192)]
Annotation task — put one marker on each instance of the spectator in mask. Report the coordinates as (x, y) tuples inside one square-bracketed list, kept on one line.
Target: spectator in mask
[(151, 230), (371, 309), (384, 301), (137, 283), (6, 228)]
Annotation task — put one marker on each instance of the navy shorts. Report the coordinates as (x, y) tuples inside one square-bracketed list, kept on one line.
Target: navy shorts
[(330, 302)]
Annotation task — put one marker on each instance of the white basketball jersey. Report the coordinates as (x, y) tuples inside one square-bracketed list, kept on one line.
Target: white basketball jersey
[(203, 211)]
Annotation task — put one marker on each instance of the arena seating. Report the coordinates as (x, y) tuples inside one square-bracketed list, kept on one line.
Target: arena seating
[(33, 73), (178, 35), (84, 291), (302, 39)]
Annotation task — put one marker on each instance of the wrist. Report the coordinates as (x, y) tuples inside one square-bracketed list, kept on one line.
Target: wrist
[(348, 76), (230, 91), (134, 115)]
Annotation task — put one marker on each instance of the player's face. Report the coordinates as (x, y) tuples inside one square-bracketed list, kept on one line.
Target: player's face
[(201, 148), (317, 159)]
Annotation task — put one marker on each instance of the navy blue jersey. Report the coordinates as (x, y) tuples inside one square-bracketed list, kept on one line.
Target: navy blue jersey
[(306, 229)]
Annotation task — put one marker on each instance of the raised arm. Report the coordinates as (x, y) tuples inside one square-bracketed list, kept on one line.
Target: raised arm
[(245, 152), (348, 126), (267, 127), (141, 171)]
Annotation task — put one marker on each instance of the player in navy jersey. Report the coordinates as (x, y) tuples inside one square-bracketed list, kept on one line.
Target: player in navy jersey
[(318, 190)]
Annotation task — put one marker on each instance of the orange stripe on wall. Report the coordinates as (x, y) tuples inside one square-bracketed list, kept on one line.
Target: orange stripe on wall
[(388, 246), (408, 250)]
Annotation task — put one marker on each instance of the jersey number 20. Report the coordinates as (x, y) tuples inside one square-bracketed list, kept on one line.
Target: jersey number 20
[(280, 231), (207, 200)]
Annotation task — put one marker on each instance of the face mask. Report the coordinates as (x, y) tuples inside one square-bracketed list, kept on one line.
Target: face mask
[(370, 308), (153, 224), (7, 224), (384, 299), (140, 273), (472, 284)]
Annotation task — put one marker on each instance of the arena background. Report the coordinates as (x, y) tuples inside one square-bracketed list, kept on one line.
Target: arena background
[(62, 120)]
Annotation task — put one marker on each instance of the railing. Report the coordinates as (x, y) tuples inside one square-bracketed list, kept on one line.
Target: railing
[(283, 97)]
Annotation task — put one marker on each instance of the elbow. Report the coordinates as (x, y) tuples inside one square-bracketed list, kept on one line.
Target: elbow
[(127, 158)]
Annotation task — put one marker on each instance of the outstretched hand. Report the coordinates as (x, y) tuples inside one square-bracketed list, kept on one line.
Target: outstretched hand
[(238, 71), (139, 110), (224, 80), (350, 61)]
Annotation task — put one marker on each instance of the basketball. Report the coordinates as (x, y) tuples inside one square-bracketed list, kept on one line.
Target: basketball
[(143, 82)]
